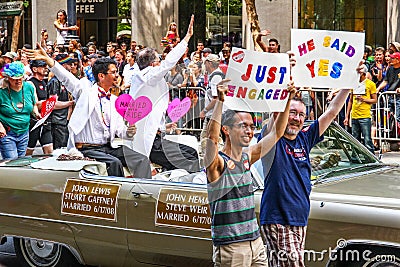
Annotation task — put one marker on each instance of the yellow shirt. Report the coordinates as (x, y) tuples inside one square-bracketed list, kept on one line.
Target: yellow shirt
[(362, 110)]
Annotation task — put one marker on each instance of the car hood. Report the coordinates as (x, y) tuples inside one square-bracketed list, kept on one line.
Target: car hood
[(380, 188)]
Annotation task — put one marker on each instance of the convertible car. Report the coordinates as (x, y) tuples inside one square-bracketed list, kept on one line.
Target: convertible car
[(67, 213)]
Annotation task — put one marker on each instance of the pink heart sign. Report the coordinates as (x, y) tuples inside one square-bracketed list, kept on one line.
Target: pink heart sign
[(133, 110), (177, 108)]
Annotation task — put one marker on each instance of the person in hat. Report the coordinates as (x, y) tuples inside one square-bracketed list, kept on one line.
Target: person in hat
[(9, 57), (43, 132), (95, 122), (17, 103), (206, 51), (215, 75), (63, 108), (394, 47), (392, 79)]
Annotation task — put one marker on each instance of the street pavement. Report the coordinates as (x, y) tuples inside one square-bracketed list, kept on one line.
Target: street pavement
[(392, 157), (7, 254)]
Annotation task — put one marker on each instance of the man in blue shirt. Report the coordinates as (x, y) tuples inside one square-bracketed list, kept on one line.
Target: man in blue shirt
[(285, 204)]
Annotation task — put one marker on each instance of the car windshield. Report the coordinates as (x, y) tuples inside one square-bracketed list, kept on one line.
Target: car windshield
[(339, 154)]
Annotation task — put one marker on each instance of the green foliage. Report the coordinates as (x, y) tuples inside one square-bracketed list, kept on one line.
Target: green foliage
[(235, 7), (122, 27), (124, 12), (124, 8)]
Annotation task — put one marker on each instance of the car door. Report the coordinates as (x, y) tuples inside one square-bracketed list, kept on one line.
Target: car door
[(100, 220), (169, 223)]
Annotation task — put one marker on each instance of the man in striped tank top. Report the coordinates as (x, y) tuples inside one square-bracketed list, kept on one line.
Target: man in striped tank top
[(234, 230)]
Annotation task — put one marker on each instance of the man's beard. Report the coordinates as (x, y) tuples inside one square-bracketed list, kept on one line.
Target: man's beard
[(289, 131)]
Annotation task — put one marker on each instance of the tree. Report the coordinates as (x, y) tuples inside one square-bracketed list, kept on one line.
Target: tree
[(124, 12), (253, 20)]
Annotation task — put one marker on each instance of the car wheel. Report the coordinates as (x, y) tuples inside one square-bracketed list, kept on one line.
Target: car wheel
[(40, 253)]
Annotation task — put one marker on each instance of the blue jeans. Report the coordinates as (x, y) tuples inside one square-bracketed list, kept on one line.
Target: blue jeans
[(363, 126), (394, 106), (14, 145)]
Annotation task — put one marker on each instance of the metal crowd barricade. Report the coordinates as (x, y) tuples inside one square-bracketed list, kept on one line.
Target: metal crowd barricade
[(191, 122), (387, 130), (318, 103)]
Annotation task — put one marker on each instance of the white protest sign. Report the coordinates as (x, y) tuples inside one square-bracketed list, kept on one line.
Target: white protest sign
[(326, 59), (360, 89), (47, 107), (258, 81), (40, 122)]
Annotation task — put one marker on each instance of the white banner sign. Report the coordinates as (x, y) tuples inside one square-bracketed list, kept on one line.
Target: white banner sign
[(258, 81), (326, 59)]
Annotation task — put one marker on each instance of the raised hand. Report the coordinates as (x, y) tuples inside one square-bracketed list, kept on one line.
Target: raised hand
[(190, 29), (39, 54), (222, 89)]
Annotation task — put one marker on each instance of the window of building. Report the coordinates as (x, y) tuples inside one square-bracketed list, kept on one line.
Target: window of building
[(223, 23), (367, 16)]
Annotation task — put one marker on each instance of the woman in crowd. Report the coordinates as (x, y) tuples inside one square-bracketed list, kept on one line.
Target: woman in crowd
[(172, 33), (44, 36), (92, 49), (17, 103), (74, 47), (193, 77), (61, 25)]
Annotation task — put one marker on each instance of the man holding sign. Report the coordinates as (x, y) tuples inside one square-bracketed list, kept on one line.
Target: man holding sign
[(95, 122), (43, 132), (234, 229), (285, 204)]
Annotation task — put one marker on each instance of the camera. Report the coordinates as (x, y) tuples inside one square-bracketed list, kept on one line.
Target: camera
[(188, 71)]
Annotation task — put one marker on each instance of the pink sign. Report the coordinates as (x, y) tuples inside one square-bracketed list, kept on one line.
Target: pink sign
[(48, 106), (133, 110), (177, 108)]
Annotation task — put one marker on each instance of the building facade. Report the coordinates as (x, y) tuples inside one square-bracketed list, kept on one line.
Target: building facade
[(377, 18), (94, 17), (217, 21)]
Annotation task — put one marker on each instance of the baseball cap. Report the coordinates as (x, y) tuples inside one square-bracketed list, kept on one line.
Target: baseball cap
[(10, 55), (37, 63), (395, 55), (207, 50), (396, 45), (226, 49), (64, 59), (92, 56), (212, 58)]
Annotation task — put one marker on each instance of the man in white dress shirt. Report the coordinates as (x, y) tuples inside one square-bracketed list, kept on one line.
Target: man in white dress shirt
[(95, 121), (149, 81)]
